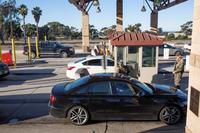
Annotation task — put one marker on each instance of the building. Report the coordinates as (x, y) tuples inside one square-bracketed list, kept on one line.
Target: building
[(193, 113)]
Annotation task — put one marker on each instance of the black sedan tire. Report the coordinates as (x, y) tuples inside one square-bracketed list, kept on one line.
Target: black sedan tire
[(64, 54), (170, 114), (78, 115), (33, 55)]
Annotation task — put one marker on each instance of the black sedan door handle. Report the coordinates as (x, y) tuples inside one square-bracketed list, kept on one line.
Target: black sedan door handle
[(113, 100)]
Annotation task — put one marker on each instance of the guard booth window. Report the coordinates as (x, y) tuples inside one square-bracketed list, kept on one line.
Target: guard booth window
[(149, 57), (132, 56), (120, 53)]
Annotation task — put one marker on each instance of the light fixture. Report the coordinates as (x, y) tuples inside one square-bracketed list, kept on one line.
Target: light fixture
[(98, 9), (95, 2), (143, 8)]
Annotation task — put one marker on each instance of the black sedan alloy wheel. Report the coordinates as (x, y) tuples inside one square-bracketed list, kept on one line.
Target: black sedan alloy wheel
[(64, 54), (170, 114), (78, 115)]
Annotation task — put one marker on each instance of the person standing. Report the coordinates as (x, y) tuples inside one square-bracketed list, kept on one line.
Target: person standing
[(178, 69)]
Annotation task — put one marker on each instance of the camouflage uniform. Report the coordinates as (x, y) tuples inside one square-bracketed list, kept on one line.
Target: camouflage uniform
[(178, 71)]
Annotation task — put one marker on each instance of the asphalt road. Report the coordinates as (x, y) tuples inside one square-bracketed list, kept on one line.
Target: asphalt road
[(24, 96)]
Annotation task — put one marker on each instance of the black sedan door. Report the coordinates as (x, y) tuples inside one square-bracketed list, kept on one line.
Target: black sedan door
[(98, 93), (126, 104)]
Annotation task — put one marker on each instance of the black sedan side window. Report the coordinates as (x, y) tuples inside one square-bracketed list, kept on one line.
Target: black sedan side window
[(81, 91), (123, 88), (100, 88), (96, 62)]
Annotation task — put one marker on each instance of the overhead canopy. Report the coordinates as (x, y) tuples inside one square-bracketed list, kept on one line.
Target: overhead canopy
[(134, 39), (158, 5)]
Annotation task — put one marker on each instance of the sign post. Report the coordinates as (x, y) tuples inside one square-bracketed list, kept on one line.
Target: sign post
[(14, 53), (29, 49), (36, 46)]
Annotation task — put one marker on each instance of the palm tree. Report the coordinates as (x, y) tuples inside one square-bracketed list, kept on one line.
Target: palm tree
[(37, 12), (23, 10)]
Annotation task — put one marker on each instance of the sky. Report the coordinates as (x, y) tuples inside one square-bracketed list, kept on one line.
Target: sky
[(64, 12)]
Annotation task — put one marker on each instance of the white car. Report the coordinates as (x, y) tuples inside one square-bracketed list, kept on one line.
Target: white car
[(93, 64), (187, 46)]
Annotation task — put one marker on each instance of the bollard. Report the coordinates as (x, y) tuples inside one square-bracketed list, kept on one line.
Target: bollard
[(29, 49), (166, 53), (36, 47), (107, 53), (45, 38), (14, 53), (0, 52)]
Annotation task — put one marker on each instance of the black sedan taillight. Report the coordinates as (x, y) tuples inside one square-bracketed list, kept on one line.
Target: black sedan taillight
[(52, 99)]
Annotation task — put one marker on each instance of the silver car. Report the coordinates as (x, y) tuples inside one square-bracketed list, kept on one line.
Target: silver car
[(172, 50)]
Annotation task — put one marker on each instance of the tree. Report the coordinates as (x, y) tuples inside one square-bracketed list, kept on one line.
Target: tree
[(30, 29), (16, 29), (105, 31), (75, 34), (182, 37), (170, 37), (187, 28), (37, 12), (56, 29), (43, 31), (133, 28), (93, 32), (7, 11), (23, 10)]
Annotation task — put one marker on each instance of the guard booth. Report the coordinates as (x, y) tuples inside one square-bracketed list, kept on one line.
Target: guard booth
[(137, 50)]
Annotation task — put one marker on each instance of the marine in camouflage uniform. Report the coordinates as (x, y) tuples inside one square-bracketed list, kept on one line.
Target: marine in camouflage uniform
[(178, 70)]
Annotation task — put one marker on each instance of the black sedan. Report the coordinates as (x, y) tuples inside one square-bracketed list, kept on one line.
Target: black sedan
[(4, 70), (115, 97)]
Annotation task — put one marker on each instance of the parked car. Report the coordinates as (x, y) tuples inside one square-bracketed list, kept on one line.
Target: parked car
[(172, 49), (4, 70), (115, 97), (92, 64), (51, 48), (7, 58), (187, 46)]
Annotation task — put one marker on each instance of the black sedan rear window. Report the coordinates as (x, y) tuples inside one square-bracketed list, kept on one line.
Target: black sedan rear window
[(77, 83)]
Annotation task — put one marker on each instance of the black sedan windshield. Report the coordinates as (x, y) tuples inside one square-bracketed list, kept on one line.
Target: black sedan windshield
[(142, 86)]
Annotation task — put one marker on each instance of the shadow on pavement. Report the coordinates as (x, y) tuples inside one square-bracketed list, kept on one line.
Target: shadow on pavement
[(20, 76), (23, 107), (178, 128), (79, 55), (31, 63)]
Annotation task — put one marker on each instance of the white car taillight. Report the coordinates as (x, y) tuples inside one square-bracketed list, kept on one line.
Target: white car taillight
[(71, 67)]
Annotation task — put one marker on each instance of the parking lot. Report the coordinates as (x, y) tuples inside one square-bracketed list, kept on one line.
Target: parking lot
[(24, 96)]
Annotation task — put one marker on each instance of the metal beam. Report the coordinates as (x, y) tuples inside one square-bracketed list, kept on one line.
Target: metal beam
[(81, 5), (165, 4)]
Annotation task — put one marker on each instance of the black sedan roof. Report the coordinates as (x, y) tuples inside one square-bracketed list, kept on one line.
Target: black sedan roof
[(109, 76)]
